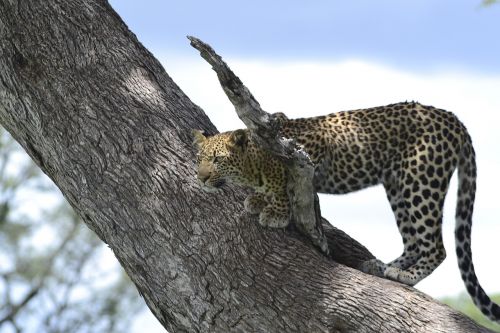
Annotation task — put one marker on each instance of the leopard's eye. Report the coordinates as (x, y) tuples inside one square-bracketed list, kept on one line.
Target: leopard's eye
[(216, 158)]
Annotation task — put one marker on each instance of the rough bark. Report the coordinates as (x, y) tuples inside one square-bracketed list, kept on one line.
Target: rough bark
[(105, 122)]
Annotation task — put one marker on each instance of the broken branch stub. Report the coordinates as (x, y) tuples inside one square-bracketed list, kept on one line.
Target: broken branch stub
[(264, 129)]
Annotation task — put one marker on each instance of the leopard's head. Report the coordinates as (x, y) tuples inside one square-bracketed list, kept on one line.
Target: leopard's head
[(220, 157)]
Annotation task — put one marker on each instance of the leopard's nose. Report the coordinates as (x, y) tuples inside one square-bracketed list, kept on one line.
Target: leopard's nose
[(203, 172), (203, 178)]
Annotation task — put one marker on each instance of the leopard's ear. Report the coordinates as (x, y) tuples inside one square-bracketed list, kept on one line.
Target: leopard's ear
[(238, 140), (198, 138)]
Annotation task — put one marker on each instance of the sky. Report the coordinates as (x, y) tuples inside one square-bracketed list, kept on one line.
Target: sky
[(317, 57), (418, 35)]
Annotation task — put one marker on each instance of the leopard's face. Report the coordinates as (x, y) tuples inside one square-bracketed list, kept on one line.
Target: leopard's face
[(220, 157)]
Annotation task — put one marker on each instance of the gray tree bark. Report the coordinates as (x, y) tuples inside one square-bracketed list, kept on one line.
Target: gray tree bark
[(101, 117)]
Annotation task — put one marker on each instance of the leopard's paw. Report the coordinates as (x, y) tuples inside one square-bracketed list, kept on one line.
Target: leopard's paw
[(401, 276), (269, 217), (373, 267), (393, 273), (255, 203)]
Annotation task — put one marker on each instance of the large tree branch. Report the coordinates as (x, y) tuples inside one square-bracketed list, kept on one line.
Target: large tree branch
[(104, 121), (247, 107)]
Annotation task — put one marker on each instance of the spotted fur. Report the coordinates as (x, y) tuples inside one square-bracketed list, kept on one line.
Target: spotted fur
[(409, 148)]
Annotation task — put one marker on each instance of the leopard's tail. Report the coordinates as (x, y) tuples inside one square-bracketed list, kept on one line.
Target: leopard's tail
[(465, 206)]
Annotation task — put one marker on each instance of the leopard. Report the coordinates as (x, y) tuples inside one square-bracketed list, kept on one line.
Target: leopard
[(232, 156), (411, 149)]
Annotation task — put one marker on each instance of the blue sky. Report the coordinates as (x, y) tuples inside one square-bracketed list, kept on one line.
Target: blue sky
[(413, 35)]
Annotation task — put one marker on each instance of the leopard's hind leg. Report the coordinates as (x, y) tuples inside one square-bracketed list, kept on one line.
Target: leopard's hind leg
[(394, 191), (422, 199), (395, 195)]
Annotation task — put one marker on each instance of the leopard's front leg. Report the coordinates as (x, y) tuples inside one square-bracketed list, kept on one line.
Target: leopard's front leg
[(277, 213)]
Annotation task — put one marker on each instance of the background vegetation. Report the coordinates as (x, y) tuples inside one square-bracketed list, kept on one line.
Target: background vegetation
[(464, 304), (55, 274)]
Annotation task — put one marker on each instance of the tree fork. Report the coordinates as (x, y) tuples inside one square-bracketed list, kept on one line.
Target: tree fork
[(264, 129), (101, 117)]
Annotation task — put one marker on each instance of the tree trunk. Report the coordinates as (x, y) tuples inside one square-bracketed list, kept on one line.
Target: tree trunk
[(101, 117)]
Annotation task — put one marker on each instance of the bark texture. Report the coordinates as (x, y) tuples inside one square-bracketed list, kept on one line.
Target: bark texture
[(101, 117)]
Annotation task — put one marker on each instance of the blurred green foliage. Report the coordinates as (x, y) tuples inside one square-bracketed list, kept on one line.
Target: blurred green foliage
[(489, 2), (464, 304), (55, 274)]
